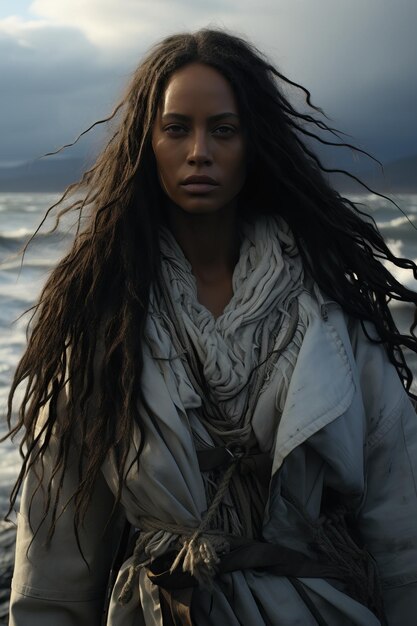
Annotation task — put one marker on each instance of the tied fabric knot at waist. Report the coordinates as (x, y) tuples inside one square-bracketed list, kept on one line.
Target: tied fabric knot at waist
[(199, 554), (204, 553)]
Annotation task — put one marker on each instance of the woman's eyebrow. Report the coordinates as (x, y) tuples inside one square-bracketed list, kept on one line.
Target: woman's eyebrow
[(187, 118)]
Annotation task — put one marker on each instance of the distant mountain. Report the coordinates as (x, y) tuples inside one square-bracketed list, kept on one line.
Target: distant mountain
[(47, 174), (397, 177), (54, 174)]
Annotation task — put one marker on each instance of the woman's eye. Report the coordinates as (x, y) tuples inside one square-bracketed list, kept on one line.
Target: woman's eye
[(175, 129), (224, 130)]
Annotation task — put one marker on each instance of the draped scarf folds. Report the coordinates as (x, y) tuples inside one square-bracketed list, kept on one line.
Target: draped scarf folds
[(267, 281)]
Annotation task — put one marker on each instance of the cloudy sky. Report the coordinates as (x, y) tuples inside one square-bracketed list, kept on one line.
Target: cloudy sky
[(63, 63)]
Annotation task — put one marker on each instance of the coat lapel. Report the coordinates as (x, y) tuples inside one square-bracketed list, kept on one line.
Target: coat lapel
[(321, 387)]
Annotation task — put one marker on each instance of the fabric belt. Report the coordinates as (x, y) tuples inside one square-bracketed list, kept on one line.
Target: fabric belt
[(247, 554), (176, 588)]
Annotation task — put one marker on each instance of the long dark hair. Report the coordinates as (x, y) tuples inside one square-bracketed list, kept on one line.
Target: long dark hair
[(83, 362)]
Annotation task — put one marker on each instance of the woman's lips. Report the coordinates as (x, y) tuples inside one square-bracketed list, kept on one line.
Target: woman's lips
[(198, 188), (197, 184)]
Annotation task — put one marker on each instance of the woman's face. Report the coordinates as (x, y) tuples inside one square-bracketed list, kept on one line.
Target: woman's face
[(198, 141)]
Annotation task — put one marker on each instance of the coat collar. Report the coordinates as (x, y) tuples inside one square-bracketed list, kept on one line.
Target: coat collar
[(322, 384)]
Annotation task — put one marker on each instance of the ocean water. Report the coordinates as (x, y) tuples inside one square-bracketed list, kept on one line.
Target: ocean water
[(20, 285)]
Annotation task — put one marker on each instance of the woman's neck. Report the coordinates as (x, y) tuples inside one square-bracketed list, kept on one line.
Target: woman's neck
[(211, 244)]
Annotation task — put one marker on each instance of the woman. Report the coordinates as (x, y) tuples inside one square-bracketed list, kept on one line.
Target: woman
[(214, 362)]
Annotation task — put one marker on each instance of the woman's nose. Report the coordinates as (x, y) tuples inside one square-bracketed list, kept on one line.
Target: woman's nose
[(199, 148)]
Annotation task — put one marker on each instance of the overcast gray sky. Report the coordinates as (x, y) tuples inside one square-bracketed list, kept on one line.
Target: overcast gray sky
[(63, 63)]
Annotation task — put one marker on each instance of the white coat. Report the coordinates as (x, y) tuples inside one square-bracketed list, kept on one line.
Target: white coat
[(347, 424)]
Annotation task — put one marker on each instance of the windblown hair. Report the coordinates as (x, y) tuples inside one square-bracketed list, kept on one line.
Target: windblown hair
[(86, 334)]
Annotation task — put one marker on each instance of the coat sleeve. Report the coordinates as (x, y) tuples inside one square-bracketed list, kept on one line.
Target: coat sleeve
[(388, 515), (56, 583)]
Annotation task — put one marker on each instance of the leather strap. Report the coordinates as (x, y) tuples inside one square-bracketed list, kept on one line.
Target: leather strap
[(220, 456), (176, 606), (176, 588), (249, 554), (280, 560)]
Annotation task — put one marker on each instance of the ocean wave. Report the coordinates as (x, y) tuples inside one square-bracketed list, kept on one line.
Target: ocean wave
[(19, 299), (18, 233), (372, 205), (14, 265), (13, 241), (27, 201), (403, 275), (397, 222), (400, 229)]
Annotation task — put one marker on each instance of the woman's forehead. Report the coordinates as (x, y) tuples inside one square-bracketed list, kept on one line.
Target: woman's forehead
[(198, 86)]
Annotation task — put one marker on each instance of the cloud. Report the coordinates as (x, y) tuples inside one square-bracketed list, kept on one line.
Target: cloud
[(104, 23), (53, 84), (64, 64), (123, 27)]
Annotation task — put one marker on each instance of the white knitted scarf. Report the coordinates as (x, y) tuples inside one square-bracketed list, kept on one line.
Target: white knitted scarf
[(267, 279)]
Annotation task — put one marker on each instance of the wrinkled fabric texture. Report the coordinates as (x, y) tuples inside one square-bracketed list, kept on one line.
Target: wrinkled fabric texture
[(267, 279), (341, 421)]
